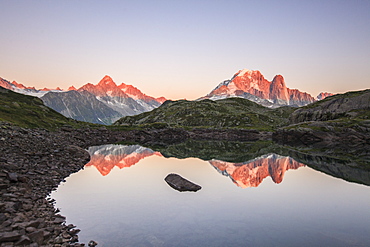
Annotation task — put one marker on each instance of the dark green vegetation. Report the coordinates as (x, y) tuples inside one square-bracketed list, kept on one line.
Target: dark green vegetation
[(226, 113), (30, 112), (351, 105), (349, 112), (230, 151)]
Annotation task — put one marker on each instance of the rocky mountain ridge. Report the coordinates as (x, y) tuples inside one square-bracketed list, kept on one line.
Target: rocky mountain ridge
[(102, 103), (252, 85), (126, 100)]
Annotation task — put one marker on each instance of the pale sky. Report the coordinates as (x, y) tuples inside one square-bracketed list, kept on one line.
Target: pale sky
[(183, 49)]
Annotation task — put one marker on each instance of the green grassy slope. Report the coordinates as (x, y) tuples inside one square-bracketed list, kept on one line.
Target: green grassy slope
[(348, 110), (226, 113), (30, 112)]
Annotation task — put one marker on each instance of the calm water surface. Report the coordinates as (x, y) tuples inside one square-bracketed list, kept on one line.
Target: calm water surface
[(121, 199)]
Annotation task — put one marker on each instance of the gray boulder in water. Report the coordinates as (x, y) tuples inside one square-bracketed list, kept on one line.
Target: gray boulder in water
[(181, 184)]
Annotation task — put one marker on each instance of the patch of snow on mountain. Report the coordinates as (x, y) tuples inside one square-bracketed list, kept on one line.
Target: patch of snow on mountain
[(135, 97), (35, 93), (145, 105), (218, 97), (224, 83), (245, 71)]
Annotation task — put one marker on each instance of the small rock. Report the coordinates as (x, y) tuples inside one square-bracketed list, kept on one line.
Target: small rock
[(37, 236), (92, 243), (30, 229), (66, 235), (13, 177), (58, 220), (34, 223), (74, 231), (25, 240), (58, 240), (74, 239), (10, 236)]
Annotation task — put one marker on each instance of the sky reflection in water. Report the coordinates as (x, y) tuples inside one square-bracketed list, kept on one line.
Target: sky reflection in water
[(131, 205)]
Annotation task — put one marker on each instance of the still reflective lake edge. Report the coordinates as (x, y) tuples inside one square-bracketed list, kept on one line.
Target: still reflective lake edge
[(121, 199)]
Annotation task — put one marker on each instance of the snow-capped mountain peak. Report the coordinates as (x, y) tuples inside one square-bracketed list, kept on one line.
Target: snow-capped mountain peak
[(252, 85), (102, 103), (243, 72)]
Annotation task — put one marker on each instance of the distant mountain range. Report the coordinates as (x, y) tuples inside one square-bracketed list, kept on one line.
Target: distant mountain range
[(103, 103), (252, 85), (106, 102)]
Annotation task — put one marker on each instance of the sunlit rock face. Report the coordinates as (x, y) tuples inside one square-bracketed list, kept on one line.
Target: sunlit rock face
[(103, 103), (6, 84), (253, 172), (107, 88), (252, 85), (106, 157), (125, 99), (20, 88), (323, 95)]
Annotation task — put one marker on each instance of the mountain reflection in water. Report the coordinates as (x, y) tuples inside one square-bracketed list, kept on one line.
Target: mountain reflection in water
[(106, 157), (135, 207), (252, 173), (244, 174)]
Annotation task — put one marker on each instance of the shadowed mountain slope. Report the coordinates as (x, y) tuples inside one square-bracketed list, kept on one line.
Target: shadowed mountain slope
[(82, 106)]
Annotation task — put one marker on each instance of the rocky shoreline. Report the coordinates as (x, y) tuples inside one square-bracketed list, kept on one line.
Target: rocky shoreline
[(33, 162)]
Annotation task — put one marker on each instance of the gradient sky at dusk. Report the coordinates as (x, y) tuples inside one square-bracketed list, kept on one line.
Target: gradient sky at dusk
[(183, 49)]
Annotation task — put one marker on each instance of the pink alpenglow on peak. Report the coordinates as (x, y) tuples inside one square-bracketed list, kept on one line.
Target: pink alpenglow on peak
[(18, 85), (48, 89), (252, 85), (161, 99), (106, 81), (14, 85), (6, 84), (103, 103), (107, 87), (323, 95)]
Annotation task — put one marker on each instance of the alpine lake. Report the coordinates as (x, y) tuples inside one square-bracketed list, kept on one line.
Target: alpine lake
[(253, 194)]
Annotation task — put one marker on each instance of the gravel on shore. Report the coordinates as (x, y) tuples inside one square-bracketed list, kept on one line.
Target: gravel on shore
[(33, 162)]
